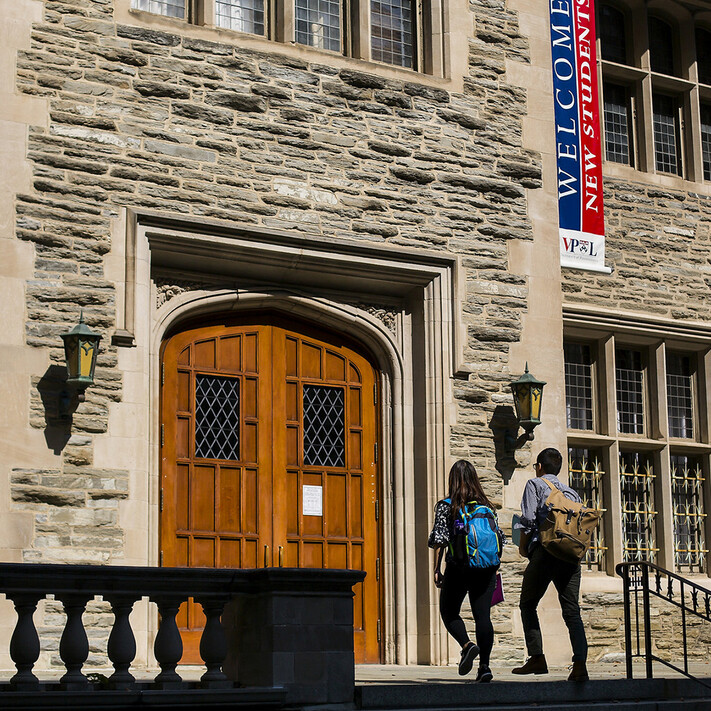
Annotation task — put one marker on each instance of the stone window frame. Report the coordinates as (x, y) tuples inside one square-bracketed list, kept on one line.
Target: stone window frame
[(418, 341), (642, 84), (654, 336), (441, 34)]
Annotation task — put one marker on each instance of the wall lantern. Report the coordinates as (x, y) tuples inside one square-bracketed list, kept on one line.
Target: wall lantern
[(527, 395), (81, 346)]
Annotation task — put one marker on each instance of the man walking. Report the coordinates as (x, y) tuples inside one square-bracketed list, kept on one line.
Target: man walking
[(544, 568)]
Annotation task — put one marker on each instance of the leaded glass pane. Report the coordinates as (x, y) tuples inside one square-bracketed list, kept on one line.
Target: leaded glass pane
[(661, 46), (586, 472), (687, 502), (216, 417), (578, 386), (666, 134), (680, 395), (638, 512), (169, 8), (703, 55), (324, 426), (617, 123), (629, 379), (706, 140), (613, 37), (391, 27), (318, 24), (240, 15)]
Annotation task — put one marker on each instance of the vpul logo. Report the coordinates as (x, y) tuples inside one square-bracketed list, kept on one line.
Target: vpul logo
[(579, 246)]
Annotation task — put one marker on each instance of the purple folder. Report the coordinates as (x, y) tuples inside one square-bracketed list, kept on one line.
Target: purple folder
[(498, 595)]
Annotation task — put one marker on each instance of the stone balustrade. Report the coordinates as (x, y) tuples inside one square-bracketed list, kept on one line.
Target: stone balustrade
[(252, 635)]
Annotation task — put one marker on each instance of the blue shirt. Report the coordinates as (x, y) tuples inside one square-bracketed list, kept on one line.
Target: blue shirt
[(533, 503)]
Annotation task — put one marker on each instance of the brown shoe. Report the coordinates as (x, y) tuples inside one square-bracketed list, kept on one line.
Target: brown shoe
[(579, 672), (534, 665)]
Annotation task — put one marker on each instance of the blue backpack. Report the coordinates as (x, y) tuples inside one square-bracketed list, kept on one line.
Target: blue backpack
[(477, 540)]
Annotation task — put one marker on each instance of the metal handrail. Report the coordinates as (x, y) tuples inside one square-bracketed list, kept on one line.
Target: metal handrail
[(636, 579)]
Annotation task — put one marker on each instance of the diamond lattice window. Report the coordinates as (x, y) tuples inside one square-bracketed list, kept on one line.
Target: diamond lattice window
[(586, 472), (687, 501), (638, 512), (216, 417), (324, 426)]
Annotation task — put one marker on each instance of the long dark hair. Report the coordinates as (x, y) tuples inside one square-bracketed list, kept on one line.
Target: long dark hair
[(464, 486)]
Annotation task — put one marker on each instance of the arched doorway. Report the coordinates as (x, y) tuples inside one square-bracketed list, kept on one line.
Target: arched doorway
[(269, 446)]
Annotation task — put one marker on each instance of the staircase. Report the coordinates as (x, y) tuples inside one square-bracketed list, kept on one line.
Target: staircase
[(610, 694)]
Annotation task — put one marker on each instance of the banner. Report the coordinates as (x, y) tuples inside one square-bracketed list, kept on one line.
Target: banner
[(577, 131)]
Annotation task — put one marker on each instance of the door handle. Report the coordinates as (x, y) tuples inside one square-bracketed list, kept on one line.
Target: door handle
[(281, 556), (266, 556)]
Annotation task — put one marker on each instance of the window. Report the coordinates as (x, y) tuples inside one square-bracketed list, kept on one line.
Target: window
[(650, 82), (638, 411), (661, 46), (585, 476), (706, 139), (703, 55), (324, 426), (687, 502), (638, 514), (241, 15), (617, 123), (680, 395), (666, 134), (216, 417), (613, 35), (629, 379), (578, 386), (387, 31)]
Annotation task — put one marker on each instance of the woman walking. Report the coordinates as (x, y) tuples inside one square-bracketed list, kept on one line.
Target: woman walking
[(471, 563)]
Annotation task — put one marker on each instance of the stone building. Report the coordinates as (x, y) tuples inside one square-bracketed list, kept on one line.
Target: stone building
[(318, 244)]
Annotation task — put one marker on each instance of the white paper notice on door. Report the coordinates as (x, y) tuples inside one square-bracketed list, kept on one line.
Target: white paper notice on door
[(312, 503)]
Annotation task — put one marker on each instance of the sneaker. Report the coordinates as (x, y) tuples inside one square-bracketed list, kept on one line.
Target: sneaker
[(534, 665), (469, 654), (579, 672), (484, 675)]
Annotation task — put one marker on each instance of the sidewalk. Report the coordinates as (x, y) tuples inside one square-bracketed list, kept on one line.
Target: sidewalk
[(420, 674)]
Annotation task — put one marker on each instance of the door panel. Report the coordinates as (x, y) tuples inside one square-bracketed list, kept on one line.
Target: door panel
[(269, 459)]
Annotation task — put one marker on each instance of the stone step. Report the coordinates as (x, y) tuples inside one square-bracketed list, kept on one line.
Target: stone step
[(622, 694)]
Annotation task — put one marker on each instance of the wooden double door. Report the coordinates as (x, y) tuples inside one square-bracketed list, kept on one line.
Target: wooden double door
[(269, 458)]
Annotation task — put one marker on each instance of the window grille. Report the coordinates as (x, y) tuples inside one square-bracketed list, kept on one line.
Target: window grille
[(586, 472), (324, 426), (666, 134), (241, 15), (318, 24), (687, 502), (680, 396), (703, 55), (216, 417), (578, 386), (391, 26), (629, 379), (617, 123), (613, 38), (661, 46), (706, 139), (638, 513)]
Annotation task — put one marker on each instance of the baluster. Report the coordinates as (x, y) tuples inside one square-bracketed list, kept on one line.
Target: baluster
[(121, 648), (25, 644), (213, 644), (168, 647), (74, 645)]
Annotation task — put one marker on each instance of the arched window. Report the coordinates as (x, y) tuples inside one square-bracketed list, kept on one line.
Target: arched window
[(703, 55), (613, 35), (661, 46)]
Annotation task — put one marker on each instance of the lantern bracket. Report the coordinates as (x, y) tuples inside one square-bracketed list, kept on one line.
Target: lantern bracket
[(528, 395)]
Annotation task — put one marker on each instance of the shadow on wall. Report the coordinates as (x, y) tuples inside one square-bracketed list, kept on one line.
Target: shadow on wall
[(58, 405), (504, 426)]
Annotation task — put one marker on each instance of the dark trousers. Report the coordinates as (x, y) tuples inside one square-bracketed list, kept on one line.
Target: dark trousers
[(479, 584), (543, 568)]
